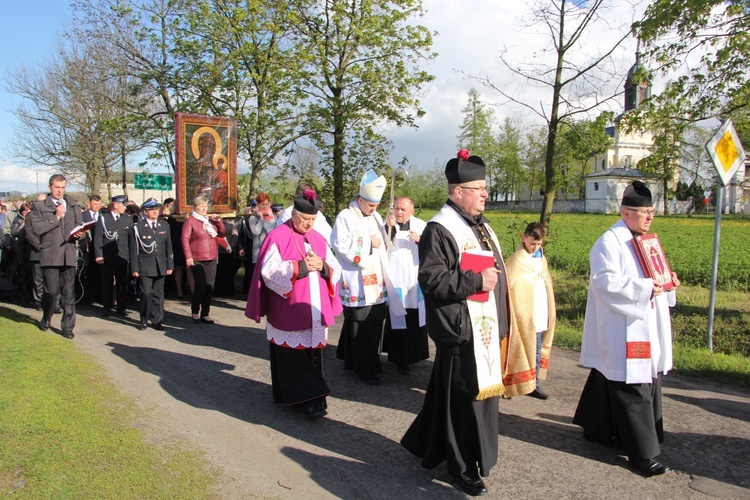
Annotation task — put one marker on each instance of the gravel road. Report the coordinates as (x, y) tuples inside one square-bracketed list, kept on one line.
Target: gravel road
[(208, 387)]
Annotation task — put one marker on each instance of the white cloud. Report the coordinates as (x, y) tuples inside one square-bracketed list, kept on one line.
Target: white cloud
[(471, 36), (14, 177)]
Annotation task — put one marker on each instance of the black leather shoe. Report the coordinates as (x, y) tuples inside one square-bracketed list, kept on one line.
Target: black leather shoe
[(315, 411), (538, 393), (473, 487), (648, 466), (206, 319), (122, 314), (157, 326), (58, 310), (141, 326), (44, 325), (68, 335), (106, 313)]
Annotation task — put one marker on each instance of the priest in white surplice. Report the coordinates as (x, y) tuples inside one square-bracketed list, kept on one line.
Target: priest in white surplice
[(405, 338), (627, 341)]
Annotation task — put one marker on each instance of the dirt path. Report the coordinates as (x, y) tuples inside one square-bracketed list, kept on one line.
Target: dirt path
[(208, 387)]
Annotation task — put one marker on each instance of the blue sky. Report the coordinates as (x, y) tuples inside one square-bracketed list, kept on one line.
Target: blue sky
[(471, 35), (28, 33)]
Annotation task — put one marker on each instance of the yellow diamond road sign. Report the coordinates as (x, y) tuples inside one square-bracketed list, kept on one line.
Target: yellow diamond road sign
[(726, 151)]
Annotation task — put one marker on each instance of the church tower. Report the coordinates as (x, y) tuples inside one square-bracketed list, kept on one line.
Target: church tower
[(637, 84)]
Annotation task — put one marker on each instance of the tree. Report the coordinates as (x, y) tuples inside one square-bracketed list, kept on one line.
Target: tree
[(585, 139), (140, 35), (510, 173), (577, 87), (707, 39), (696, 167), (426, 187), (71, 116), (476, 135), (533, 159), (239, 58), (361, 69), (665, 153)]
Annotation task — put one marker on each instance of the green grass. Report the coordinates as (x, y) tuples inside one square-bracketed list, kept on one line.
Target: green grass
[(67, 433)]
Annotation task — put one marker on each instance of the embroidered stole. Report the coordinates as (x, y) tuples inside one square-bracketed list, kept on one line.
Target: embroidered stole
[(484, 321), (378, 268), (638, 342)]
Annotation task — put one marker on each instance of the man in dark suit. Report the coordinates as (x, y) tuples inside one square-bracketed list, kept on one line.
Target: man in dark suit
[(32, 244), (90, 278), (52, 220), (151, 260), (112, 254)]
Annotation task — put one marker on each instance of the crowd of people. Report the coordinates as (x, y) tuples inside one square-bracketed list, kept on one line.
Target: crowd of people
[(397, 281)]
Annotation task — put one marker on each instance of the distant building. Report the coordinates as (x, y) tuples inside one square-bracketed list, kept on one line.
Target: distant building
[(737, 199), (617, 167), (604, 189)]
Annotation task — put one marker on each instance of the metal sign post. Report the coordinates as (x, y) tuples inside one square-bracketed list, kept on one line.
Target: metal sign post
[(727, 153)]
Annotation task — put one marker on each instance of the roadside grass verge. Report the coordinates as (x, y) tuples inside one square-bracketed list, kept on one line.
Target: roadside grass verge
[(67, 433), (728, 363)]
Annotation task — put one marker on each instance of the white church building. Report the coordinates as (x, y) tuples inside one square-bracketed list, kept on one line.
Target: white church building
[(616, 168)]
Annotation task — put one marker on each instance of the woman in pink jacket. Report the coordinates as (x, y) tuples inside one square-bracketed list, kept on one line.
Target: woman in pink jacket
[(199, 235)]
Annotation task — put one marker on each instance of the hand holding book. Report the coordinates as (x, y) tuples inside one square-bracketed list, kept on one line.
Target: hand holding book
[(653, 260), (77, 231), (480, 261)]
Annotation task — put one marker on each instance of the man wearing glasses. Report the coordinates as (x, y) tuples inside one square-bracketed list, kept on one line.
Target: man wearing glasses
[(627, 341), (458, 421)]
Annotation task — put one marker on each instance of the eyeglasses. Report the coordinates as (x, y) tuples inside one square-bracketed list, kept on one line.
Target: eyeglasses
[(479, 189), (646, 213)]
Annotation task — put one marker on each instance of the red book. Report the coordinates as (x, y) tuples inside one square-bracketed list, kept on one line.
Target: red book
[(477, 261), (653, 260)]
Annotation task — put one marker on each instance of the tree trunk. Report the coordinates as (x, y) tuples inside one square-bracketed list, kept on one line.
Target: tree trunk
[(338, 153)]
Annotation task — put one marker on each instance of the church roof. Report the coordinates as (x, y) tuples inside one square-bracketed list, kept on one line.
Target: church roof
[(628, 173)]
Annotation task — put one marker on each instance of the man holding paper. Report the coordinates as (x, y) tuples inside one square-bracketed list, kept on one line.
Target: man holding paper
[(405, 337), (458, 421), (55, 220), (627, 341)]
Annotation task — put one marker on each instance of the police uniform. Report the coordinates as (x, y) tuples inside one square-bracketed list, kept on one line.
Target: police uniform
[(151, 259), (111, 245)]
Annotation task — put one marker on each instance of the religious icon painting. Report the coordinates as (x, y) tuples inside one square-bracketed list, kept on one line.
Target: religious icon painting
[(653, 261), (206, 151)]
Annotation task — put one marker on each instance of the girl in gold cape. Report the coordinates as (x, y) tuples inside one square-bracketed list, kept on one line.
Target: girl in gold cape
[(524, 269)]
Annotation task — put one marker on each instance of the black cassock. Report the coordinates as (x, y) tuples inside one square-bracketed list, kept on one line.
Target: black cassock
[(452, 425), (622, 416), (297, 375)]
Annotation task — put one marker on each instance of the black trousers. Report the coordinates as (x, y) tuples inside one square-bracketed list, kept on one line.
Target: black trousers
[(359, 343), (60, 286), (152, 298), (226, 270), (204, 277), (623, 416), (114, 282), (406, 346), (249, 269), (37, 282)]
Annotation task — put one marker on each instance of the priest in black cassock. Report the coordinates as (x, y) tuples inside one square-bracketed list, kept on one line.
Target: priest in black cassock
[(458, 421)]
